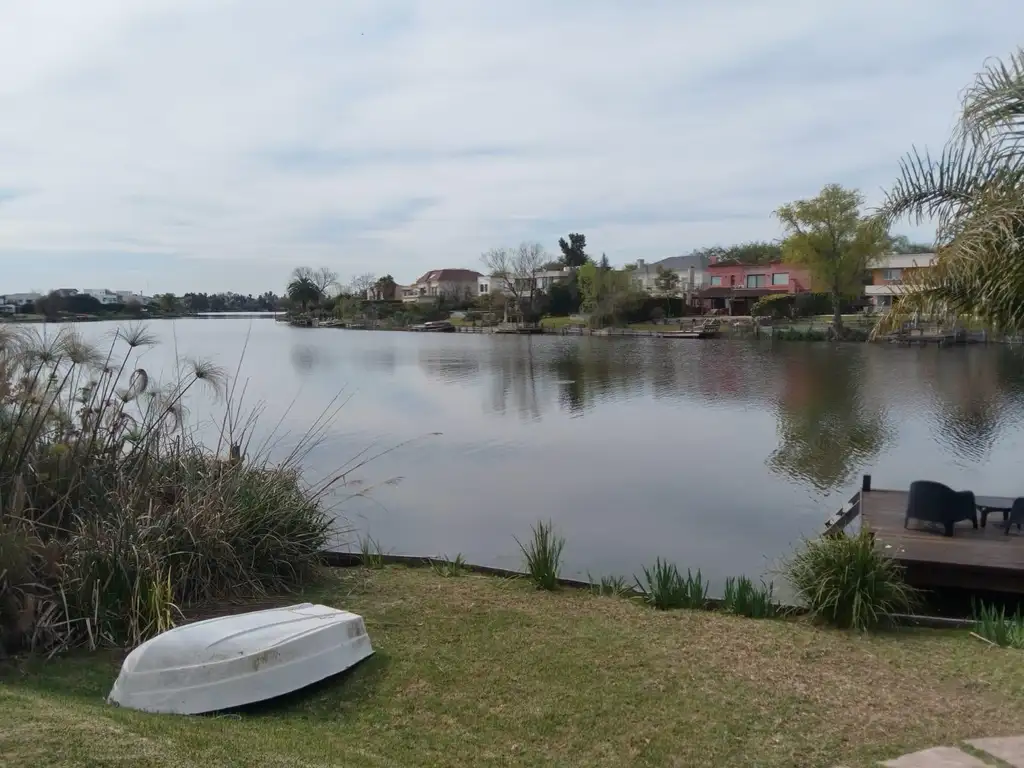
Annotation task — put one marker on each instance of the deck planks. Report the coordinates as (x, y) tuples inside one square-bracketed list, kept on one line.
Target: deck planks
[(961, 560)]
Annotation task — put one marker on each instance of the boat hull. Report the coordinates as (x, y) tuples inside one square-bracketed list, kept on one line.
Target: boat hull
[(236, 660)]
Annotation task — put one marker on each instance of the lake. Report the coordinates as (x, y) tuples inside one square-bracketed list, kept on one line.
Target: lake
[(718, 455)]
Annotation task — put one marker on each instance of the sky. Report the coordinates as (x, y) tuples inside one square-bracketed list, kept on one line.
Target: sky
[(214, 145)]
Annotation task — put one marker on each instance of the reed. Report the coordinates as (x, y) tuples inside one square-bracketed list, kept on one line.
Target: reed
[(997, 627), (664, 588), (744, 598), (542, 555)]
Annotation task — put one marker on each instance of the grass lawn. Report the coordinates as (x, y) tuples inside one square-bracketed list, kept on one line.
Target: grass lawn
[(476, 670), (559, 322)]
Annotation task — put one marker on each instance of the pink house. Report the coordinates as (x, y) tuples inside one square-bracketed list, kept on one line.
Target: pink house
[(737, 287)]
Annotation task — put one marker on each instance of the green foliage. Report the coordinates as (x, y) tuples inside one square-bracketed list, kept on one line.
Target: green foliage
[(777, 305), (752, 253), (829, 236), (447, 567), (744, 598), (666, 281), (812, 304), (845, 581), (304, 292), (112, 516), (543, 555), (664, 588), (995, 626), (574, 252), (609, 295), (657, 314), (902, 244), (972, 191)]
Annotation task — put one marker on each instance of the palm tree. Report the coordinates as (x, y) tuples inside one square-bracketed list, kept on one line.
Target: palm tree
[(975, 193), (303, 291)]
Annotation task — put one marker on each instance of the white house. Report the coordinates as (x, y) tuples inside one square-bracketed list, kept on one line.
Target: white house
[(20, 299), (691, 271), (103, 296)]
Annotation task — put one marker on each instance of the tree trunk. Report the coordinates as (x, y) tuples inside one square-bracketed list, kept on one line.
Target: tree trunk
[(837, 315)]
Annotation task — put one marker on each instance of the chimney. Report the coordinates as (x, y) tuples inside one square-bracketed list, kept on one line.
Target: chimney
[(639, 263)]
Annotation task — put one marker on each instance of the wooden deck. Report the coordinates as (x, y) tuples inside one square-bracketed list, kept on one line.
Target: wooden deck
[(986, 558)]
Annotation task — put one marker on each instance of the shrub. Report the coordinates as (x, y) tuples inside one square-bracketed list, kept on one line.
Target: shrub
[(664, 587), (995, 626), (847, 582), (776, 306), (657, 314), (543, 555), (112, 517)]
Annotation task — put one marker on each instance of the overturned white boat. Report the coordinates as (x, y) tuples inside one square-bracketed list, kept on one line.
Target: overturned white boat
[(235, 660)]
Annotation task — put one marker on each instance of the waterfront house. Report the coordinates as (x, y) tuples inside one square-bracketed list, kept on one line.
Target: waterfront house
[(19, 300), (691, 271), (735, 288), (103, 296), (454, 284), (888, 274)]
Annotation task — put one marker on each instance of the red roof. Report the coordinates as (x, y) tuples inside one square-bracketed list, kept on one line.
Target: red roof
[(450, 276)]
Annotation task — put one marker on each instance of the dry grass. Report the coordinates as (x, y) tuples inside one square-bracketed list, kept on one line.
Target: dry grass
[(480, 671)]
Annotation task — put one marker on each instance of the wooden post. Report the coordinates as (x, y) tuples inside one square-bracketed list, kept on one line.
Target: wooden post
[(865, 484)]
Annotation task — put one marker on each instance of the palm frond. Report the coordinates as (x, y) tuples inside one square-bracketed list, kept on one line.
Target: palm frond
[(993, 107)]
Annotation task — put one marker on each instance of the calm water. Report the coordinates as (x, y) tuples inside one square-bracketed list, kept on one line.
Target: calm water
[(718, 455)]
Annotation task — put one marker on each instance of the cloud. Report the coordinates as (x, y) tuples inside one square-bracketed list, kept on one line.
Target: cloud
[(397, 136)]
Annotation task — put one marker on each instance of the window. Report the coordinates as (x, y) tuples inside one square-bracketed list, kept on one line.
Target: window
[(716, 280), (483, 287), (780, 278), (892, 274), (755, 281)]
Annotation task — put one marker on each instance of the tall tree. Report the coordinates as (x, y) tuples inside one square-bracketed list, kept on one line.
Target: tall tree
[(517, 270), (362, 283), (975, 193), (606, 293), (324, 278), (574, 252), (829, 235), (385, 288), (304, 292), (666, 281)]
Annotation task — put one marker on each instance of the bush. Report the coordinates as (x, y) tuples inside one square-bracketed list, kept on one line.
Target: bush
[(775, 306), (847, 582), (657, 315), (543, 555), (113, 518)]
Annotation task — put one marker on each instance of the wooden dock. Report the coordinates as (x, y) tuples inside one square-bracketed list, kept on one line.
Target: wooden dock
[(976, 559)]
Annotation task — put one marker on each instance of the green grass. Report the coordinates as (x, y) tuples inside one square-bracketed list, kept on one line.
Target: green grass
[(480, 671), (559, 322)]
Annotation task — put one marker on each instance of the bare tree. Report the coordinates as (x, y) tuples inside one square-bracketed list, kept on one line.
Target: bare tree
[(362, 283), (517, 269), (322, 277)]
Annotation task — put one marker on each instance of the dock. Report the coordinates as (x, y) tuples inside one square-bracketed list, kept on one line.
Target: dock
[(976, 559)]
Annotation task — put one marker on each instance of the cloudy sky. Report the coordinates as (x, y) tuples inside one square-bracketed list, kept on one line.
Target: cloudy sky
[(215, 144)]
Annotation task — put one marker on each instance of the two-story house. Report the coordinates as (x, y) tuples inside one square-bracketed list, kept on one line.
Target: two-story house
[(690, 270), (453, 284), (737, 287), (888, 274)]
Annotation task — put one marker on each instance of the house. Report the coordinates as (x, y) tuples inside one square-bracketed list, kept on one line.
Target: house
[(7, 309), (20, 299), (103, 296), (691, 271), (888, 274), (453, 284), (543, 280), (737, 287), (131, 297)]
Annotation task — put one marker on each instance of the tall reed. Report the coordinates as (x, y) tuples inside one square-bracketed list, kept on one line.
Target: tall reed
[(543, 555), (114, 517)]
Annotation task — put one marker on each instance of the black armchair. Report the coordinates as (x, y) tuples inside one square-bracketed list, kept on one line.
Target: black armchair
[(936, 503)]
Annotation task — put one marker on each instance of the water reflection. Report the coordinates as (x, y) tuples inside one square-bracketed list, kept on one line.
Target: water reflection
[(836, 409), (828, 427)]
